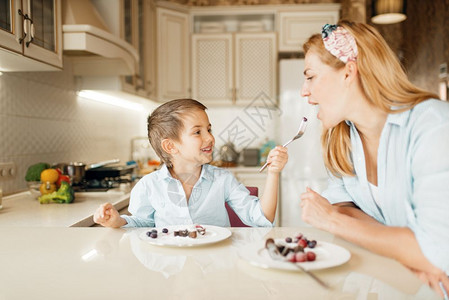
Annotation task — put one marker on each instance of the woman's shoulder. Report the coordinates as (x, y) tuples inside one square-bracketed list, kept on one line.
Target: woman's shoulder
[(429, 118), (428, 113), (434, 107)]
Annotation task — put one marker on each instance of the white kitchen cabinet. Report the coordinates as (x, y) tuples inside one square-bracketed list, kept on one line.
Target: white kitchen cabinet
[(255, 66), (173, 54), (233, 68), (31, 38), (212, 68), (139, 31), (295, 27), (11, 27)]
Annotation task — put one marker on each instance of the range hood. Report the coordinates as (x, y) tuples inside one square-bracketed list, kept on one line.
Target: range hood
[(93, 48)]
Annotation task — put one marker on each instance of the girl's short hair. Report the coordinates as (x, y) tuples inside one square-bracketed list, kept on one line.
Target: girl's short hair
[(166, 123), (383, 80)]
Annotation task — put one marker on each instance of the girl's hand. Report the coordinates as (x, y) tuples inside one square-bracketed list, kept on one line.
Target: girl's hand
[(277, 158), (316, 210), (107, 216)]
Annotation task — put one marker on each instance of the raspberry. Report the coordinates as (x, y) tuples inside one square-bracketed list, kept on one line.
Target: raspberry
[(291, 257), (311, 256), (301, 257), (302, 243)]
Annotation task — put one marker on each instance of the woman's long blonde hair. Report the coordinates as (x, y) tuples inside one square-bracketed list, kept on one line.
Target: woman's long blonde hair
[(383, 81)]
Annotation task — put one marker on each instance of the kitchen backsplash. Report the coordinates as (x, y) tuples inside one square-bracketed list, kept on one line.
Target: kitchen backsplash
[(244, 126), (43, 120)]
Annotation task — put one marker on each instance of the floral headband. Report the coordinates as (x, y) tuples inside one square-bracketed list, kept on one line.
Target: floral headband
[(339, 42)]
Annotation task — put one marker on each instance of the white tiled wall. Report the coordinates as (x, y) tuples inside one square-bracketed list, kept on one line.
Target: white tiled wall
[(233, 124), (43, 120)]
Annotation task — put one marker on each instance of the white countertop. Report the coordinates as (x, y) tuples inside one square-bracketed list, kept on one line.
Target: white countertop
[(23, 209), (104, 263)]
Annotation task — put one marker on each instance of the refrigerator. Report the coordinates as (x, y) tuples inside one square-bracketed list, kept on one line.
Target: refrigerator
[(305, 165)]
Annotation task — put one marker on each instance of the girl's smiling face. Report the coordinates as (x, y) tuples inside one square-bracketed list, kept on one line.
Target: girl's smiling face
[(325, 86), (196, 142)]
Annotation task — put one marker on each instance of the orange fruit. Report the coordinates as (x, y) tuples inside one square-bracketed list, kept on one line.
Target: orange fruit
[(49, 175), (47, 188)]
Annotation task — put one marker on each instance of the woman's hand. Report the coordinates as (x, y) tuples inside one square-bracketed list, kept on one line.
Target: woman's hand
[(436, 280), (316, 210), (277, 158)]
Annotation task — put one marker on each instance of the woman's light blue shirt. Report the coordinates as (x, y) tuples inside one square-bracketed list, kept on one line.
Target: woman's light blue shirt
[(159, 200), (413, 177)]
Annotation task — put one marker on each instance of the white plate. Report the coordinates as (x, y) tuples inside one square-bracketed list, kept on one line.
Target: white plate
[(327, 255), (213, 234)]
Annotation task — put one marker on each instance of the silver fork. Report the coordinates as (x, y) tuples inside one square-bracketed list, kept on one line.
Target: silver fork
[(274, 254), (301, 130)]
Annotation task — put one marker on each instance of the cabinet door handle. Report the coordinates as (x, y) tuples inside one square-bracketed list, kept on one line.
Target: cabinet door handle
[(24, 28), (31, 33)]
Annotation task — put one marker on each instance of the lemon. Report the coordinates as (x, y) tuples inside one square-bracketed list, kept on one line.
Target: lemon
[(47, 188), (49, 175)]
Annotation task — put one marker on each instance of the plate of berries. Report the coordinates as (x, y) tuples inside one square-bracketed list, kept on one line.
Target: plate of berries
[(309, 254), (185, 235)]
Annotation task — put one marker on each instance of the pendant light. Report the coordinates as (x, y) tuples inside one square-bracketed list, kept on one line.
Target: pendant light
[(388, 11)]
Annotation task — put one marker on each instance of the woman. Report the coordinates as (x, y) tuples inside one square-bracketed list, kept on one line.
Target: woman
[(386, 147)]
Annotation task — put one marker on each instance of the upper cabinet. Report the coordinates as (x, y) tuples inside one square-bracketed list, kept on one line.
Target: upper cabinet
[(138, 29), (233, 68), (173, 54), (295, 27), (30, 35), (212, 67), (235, 49)]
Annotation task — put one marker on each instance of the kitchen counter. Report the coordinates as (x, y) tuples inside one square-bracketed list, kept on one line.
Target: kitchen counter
[(105, 263), (23, 209)]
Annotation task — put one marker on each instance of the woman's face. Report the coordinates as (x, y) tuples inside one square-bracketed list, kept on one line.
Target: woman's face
[(325, 86)]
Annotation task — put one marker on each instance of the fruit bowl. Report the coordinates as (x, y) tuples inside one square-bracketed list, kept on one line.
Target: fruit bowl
[(33, 187)]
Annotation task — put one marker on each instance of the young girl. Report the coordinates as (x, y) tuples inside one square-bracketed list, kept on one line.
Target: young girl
[(187, 190)]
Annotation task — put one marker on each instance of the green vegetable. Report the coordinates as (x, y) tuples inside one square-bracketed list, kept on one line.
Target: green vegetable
[(65, 194), (34, 171)]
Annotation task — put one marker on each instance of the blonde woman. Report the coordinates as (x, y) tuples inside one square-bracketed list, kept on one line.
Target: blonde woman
[(386, 147)]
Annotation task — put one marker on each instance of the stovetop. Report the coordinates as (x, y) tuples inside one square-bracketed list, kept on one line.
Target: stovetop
[(105, 178), (100, 185)]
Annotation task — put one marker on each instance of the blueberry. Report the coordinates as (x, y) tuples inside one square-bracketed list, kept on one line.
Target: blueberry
[(311, 244), (148, 233), (288, 239), (165, 230), (154, 230), (153, 235)]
